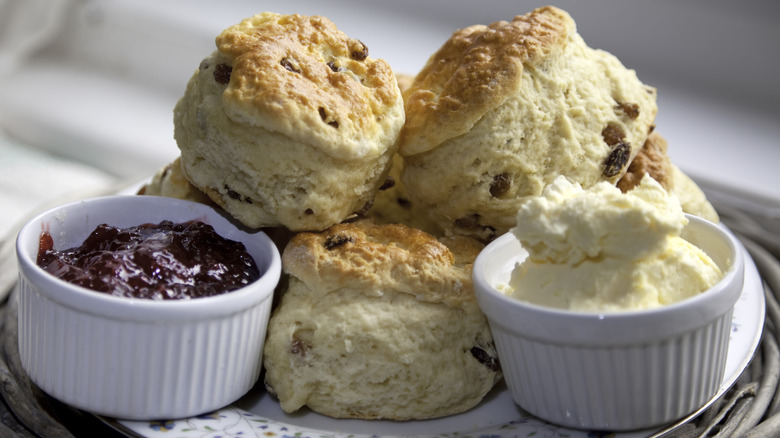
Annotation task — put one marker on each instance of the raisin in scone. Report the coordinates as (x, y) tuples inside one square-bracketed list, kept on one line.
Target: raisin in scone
[(499, 111), (379, 322), (289, 123), (653, 159)]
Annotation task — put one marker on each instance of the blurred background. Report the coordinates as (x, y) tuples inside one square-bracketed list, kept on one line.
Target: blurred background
[(87, 87)]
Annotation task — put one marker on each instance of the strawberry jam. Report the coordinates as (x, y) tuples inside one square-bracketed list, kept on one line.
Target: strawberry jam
[(164, 261)]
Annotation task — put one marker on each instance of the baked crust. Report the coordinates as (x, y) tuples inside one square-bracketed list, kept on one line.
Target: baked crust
[(289, 123), (365, 256), (301, 76), (502, 110), (476, 70)]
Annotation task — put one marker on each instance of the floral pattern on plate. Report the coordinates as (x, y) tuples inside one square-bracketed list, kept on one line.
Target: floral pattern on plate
[(234, 422)]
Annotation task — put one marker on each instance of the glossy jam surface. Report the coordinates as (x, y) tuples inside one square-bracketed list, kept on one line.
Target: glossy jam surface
[(164, 261)]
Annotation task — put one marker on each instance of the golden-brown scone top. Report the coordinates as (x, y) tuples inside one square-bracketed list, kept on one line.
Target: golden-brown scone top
[(318, 85), (489, 59), (371, 258)]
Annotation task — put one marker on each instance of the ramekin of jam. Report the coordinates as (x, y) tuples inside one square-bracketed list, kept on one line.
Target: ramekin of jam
[(146, 307), (158, 261)]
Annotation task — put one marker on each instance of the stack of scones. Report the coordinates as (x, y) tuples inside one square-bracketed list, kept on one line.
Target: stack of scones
[(381, 188)]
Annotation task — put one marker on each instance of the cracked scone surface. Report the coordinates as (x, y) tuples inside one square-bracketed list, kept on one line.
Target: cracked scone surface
[(379, 322), (289, 122), (500, 110)]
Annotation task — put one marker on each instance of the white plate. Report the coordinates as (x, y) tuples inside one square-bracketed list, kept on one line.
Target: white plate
[(258, 415)]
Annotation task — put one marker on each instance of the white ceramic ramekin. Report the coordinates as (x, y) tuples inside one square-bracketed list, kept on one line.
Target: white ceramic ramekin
[(612, 371), (136, 358)]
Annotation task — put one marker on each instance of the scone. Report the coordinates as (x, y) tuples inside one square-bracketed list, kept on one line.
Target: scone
[(169, 181), (692, 199), (654, 159), (499, 111), (289, 123), (392, 204), (379, 322)]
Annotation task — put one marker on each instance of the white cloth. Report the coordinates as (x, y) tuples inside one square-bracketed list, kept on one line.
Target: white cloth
[(27, 26), (31, 179)]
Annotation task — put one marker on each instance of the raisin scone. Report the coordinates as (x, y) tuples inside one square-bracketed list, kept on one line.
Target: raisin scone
[(289, 123), (392, 204), (169, 181), (653, 159), (500, 110), (379, 322)]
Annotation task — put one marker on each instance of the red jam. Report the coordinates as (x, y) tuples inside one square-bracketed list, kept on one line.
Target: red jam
[(164, 261)]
